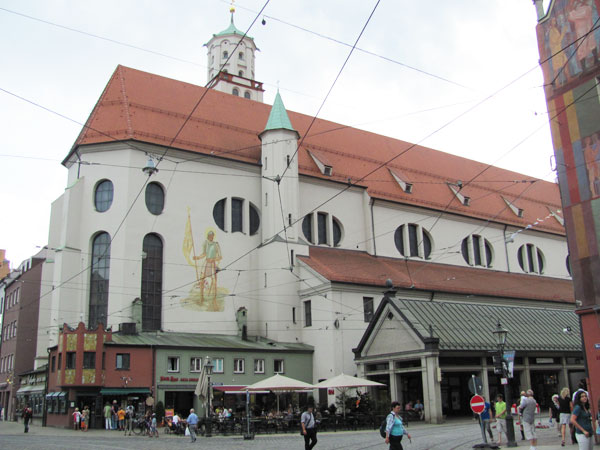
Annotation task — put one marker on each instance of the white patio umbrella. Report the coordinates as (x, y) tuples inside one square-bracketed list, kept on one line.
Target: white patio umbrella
[(344, 382), (279, 383)]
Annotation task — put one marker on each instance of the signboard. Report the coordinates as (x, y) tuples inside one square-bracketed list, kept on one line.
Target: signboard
[(597, 346), (169, 412), (509, 357), (477, 404), (475, 386)]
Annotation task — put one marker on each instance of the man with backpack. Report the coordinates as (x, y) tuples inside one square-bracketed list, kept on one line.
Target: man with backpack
[(394, 429)]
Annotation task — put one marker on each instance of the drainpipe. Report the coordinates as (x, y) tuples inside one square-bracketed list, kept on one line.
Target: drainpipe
[(373, 227), (44, 411), (506, 248)]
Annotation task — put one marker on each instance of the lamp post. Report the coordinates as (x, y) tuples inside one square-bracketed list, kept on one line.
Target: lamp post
[(208, 366), (501, 335)]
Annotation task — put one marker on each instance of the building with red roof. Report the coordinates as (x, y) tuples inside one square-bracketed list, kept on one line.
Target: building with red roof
[(199, 202)]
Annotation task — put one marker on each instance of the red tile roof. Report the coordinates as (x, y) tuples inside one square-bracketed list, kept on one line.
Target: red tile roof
[(351, 266), (141, 106)]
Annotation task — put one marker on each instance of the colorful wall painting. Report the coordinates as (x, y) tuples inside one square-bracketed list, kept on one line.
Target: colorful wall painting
[(205, 294), (569, 41)]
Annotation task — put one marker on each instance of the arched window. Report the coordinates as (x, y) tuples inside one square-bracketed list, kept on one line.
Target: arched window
[(477, 251), (412, 240), (103, 195), (568, 262), (246, 94), (327, 229), (99, 278), (155, 198), (152, 268), (241, 55), (531, 259), (225, 54), (241, 73), (236, 92)]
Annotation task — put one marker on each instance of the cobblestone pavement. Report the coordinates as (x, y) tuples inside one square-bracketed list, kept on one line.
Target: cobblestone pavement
[(455, 435)]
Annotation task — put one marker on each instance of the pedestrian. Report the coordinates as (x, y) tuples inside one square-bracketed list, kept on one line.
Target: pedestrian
[(554, 413), (129, 413), (83, 420), (192, 422), (309, 428), (500, 413), (87, 415), (527, 408), (107, 415), (581, 419), (394, 429), (153, 427), (76, 419), (523, 397), (114, 415), (27, 415), (121, 418), (565, 406), (486, 418)]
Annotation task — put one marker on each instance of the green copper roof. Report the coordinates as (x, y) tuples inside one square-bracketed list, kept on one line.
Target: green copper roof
[(231, 29), (278, 119)]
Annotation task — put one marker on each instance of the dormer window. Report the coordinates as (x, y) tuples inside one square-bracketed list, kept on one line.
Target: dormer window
[(455, 188), (558, 218), (236, 92), (324, 166), (401, 180), (516, 210)]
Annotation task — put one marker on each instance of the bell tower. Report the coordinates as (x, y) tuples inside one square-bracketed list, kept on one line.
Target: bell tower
[(231, 63)]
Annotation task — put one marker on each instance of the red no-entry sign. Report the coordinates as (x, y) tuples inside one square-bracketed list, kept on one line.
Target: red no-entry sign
[(477, 404)]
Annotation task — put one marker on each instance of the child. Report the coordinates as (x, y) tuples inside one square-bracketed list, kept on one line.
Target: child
[(153, 428), (121, 418), (76, 419)]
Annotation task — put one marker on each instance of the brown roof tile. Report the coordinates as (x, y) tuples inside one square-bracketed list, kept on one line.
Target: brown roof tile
[(141, 106), (350, 266)]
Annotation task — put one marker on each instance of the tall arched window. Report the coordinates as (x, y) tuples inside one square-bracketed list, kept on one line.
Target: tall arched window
[(152, 263), (103, 195), (99, 280)]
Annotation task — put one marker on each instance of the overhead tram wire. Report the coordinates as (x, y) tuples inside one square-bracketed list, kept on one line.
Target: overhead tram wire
[(382, 165), (332, 86), (167, 148), (337, 41), (409, 148)]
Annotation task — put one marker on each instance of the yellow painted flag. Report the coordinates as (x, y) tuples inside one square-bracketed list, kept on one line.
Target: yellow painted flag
[(188, 242)]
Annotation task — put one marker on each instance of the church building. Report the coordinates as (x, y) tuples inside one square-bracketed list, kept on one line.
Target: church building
[(196, 202)]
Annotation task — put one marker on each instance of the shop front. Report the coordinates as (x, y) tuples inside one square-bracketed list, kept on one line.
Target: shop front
[(434, 348)]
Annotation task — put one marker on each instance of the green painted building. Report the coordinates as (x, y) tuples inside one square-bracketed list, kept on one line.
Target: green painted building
[(237, 362)]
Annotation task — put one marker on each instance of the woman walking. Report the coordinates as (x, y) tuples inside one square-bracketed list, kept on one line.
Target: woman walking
[(565, 406), (581, 419), (394, 430)]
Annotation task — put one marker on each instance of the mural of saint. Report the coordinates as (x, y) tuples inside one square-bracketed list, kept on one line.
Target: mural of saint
[(580, 17), (205, 295), (591, 153)]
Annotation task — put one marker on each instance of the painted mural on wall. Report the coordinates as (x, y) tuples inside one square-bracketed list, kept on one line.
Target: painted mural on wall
[(205, 294), (570, 40)]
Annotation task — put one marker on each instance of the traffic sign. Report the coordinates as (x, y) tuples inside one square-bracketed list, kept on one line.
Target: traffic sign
[(477, 404)]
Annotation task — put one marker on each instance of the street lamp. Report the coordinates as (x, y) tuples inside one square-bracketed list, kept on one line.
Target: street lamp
[(501, 335), (208, 366)]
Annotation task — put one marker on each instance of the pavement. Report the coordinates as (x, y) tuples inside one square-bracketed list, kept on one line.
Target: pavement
[(454, 433)]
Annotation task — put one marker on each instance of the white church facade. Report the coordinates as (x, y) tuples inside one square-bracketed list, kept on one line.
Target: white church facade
[(201, 201)]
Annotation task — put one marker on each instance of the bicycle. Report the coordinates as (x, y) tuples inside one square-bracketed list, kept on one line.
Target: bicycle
[(140, 426)]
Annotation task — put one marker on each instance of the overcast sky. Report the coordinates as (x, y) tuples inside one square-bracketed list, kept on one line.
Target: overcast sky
[(420, 67)]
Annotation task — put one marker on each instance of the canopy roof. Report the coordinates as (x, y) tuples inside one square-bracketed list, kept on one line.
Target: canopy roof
[(346, 381), (279, 383)]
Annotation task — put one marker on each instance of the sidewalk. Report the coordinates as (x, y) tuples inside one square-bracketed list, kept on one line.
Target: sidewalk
[(547, 437)]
